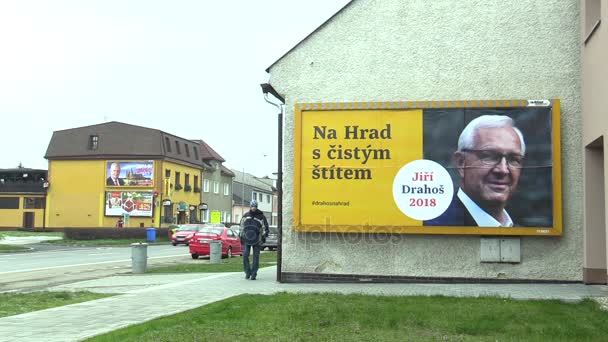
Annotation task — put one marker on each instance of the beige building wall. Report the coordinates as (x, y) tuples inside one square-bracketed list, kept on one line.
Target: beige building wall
[(594, 37), (393, 50)]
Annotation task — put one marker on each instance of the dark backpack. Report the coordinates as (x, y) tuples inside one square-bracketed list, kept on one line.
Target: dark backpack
[(251, 231)]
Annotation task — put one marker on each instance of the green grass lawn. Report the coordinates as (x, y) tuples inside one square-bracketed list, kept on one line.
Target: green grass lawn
[(14, 304), (333, 317), (234, 264), (11, 248)]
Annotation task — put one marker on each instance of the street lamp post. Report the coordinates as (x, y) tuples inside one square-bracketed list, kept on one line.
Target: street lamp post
[(242, 194), (268, 89)]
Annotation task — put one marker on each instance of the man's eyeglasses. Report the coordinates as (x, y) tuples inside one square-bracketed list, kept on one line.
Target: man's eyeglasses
[(492, 158)]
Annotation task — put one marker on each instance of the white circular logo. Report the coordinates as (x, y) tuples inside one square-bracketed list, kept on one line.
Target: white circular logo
[(423, 189)]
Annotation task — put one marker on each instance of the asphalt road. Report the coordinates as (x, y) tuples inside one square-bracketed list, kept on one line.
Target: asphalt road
[(40, 269)]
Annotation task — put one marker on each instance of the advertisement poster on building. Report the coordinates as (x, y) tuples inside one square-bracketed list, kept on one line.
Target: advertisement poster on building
[(130, 173), (216, 217), (445, 167), (134, 203)]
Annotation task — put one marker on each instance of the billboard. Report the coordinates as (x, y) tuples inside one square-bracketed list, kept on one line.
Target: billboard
[(130, 173), (134, 203), (437, 167)]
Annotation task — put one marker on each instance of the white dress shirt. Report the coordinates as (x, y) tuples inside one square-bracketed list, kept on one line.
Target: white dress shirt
[(482, 218)]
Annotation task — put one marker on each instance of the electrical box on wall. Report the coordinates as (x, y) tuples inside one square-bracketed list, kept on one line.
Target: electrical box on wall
[(500, 250)]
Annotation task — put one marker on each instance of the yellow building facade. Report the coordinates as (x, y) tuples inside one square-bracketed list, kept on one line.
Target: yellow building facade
[(24, 211), (22, 198), (120, 175), (79, 195)]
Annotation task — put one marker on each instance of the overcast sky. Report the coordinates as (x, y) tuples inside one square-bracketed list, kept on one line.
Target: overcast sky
[(191, 68)]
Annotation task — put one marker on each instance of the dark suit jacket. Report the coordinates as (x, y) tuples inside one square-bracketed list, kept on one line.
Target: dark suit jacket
[(109, 181), (455, 215)]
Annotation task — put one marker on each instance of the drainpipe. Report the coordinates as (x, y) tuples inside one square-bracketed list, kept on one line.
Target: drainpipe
[(268, 89)]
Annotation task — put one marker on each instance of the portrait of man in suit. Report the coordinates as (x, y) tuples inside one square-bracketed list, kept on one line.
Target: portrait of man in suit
[(489, 161), (114, 178)]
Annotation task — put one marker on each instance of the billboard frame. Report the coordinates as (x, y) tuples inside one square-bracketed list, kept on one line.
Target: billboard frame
[(150, 193), (122, 164), (556, 229)]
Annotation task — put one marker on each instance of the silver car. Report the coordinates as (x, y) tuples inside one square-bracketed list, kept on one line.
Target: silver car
[(272, 239)]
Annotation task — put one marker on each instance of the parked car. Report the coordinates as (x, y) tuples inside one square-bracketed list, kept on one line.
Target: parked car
[(231, 243), (172, 229), (272, 239), (184, 232), (236, 228)]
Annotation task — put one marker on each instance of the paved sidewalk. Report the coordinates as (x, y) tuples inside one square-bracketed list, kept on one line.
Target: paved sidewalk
[(145, 297)]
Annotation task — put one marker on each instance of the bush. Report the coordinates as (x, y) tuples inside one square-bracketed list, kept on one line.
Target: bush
[(110, 233)]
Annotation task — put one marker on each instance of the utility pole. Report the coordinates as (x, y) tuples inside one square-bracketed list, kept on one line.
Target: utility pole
[(242, 194)]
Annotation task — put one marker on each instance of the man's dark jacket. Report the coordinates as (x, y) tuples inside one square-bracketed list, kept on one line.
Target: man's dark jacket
[(254, 228), (110, 181), (455, 215)]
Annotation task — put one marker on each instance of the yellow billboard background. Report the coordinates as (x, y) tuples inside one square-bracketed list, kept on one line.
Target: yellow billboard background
[(367, 146)]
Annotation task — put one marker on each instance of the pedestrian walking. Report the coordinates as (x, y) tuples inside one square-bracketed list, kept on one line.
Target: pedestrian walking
[(254, 230)]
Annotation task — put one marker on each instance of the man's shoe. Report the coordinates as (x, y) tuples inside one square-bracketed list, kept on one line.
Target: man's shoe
[(253, 276), (247, 276)]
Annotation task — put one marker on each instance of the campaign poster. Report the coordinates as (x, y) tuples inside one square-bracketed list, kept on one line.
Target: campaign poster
[(134, 203), (130, 173), (438, 167)]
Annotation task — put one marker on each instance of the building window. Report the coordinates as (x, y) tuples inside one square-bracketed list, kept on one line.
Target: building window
[(225, 216), (177, 147), (206, 215), (34, 203), (167, 173), (255, 196), (168, 214), (9, 202), (206, 185), (167, 144), (187, 148), (177, 178), (187, 179), (226, 189), (196, 183), (93, 142), (195, 150), (216, 187), (268, 198)]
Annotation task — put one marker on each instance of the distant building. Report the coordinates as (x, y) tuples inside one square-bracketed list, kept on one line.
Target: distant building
[(247, 188), (272, 220), (217, 186), (159, 177), (23, 198)]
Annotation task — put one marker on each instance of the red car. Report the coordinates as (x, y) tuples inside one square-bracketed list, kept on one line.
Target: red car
[(231, 243), (184, 232)]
